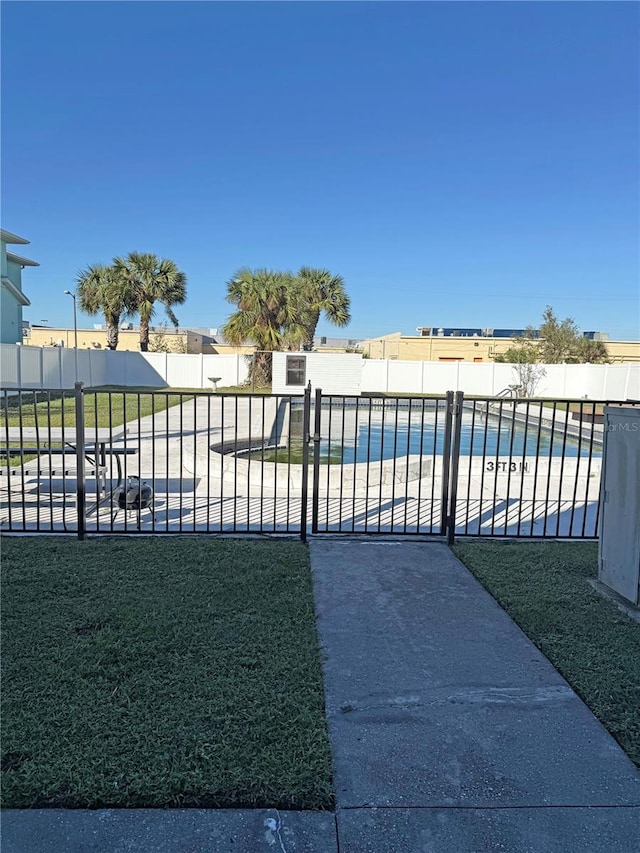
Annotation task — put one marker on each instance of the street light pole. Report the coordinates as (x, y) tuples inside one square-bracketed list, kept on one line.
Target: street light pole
[(75, 330)]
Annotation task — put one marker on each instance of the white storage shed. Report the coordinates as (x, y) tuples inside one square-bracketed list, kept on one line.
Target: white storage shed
[(334, 373)]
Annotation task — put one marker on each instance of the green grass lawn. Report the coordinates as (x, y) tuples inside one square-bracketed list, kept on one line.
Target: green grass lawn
[(102, 408), (544, 588), (161, 672)]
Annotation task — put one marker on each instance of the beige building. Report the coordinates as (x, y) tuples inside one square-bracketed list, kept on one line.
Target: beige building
[(160, 340), (479, 349)]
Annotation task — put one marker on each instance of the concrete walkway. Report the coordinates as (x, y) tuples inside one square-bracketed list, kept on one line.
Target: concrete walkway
[(451, 733)]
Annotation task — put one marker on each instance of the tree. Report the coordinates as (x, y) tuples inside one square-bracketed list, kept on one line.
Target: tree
[(528, 378), (101, 289), (559, 339), (321, 292), (555, 342), (593, 352), (150, 280), (523, 355), (268, 314), (523, 351), (161, 341), (158, 341)]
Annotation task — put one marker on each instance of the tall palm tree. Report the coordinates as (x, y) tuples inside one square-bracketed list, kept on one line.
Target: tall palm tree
[(321, 292), (152, 280), (101, 289), (268, 314)]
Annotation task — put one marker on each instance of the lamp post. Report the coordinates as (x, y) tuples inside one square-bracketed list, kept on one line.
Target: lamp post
[(75, 330)]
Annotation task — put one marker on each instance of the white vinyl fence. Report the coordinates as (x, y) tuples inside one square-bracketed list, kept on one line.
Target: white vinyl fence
[(56, 367), (595, 381)]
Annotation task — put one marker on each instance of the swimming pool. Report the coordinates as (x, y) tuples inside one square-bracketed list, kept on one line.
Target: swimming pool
[(370, 435)]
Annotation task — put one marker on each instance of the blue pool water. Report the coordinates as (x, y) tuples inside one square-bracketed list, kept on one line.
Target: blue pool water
[(363, 438)]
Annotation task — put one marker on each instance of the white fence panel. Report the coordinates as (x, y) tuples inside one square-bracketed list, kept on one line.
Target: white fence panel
[(55, 367), (503, 377), (479, 379), (231, 370), (9, 365), (374, 375), (85, 364), (136, 370), (149, 369), (184, 371), (30, 367), (51, 372), (621, 384), (633, 382), (439, 378), (68, 367), (584, 380), (551, 381), (405, 377), (98, 367)]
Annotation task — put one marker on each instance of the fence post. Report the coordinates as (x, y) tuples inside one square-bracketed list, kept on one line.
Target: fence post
[(316, 461), (455, 462), (80, 480), (306, 421), (446, 464)]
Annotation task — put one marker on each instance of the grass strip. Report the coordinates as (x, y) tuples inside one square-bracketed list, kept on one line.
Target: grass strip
[(101, 409), (544, 588), (160, 672)]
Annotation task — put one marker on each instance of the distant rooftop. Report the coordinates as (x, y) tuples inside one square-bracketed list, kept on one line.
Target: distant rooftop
[(442, 332)]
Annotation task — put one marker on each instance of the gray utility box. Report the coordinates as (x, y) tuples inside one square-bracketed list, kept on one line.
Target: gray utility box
[(619, 551)]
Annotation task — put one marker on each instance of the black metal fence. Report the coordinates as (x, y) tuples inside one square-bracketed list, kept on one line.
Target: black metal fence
[(527, 468), (381, 465), (94, 461)]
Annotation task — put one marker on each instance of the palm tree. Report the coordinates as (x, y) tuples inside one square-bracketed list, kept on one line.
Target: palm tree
[(152, 280), (101, 289), (268, 314), (321, 292)]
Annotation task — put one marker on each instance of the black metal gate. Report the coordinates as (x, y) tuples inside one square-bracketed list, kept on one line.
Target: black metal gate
[(381, 465), (223, 463)]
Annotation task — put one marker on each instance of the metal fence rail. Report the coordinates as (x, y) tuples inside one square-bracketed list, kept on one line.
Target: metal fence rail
[(102, 461)]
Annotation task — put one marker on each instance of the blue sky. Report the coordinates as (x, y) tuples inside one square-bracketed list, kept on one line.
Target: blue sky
[(459, 164)]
